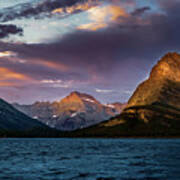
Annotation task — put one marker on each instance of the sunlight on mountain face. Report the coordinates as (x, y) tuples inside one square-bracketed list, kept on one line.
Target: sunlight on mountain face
[(52, 48)]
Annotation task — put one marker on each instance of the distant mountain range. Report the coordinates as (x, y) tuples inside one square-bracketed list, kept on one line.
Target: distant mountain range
[(153, 109), (15, 123), (76, 111)]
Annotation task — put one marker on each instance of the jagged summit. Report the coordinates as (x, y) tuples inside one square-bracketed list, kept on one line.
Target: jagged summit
[(78, 102), (77, 110), (162, 84), (80, 95), (74, 93), (167, 68), (73, 98), (157, 100)]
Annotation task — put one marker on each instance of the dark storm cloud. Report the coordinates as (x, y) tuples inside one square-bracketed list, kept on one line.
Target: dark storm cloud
[(9, 29), (157, 31), (36, 10), (140, 11), (170, 8), (99, 52), (117, 57)]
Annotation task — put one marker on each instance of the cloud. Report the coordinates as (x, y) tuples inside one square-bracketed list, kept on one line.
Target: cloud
[(102, 16), (57, 83), (9, 29), (96, 57), (78, 7), (58, 66), (92, 26), (50, 81), (45, 9), (118, 57), (7, 54), (140, 11), (103, 90), (11, 78)]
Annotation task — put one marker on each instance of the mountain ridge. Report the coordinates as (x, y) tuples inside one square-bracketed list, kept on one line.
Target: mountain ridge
[(167, 70), (14, 123), (77, 110), (152, 111)]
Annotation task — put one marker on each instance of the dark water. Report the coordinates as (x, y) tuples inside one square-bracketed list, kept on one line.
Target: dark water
[(89, 159)]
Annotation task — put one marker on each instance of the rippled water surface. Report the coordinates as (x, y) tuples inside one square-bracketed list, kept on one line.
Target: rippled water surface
[(91, 159)]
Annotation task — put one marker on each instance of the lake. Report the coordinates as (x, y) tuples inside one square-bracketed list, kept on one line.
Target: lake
[(89, 159)]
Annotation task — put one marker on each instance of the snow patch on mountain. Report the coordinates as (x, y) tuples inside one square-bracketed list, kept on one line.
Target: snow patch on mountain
[(74, 114), (110, 106), (89, 100)]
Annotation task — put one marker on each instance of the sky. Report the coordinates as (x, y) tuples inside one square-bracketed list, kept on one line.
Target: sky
[(49, 48)]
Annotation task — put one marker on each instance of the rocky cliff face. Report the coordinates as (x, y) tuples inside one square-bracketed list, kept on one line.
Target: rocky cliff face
[(156, 102), (153, 109), (162, 84), (77, 110), (159, 96)]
